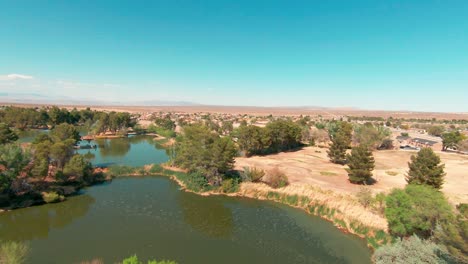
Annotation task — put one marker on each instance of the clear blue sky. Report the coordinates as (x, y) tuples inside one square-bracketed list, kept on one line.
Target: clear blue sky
[(408, 55)]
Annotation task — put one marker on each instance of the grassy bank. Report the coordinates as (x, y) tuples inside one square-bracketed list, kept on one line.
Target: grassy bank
[(341, 210)]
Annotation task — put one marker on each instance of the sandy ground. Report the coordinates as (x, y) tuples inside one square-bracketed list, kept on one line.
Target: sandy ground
[(310, 166), (263, 111)]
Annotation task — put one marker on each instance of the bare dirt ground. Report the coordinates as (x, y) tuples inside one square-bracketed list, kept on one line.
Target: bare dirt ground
[(311, 166), (263, 111)]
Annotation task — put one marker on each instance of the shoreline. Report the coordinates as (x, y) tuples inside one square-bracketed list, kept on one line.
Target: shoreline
[(375, 236), (334, 208)]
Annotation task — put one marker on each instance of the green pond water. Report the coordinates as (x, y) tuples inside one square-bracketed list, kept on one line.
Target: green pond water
[(132, 151), (153, 218)]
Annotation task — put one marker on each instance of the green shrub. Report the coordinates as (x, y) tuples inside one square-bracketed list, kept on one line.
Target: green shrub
[(291, 199), (304, 200), (417, 209), (273, 196), (252, 174), (463, 209), (13, 252), (196, 182), (229, 186), (379, 202), (411, 250), (52, 197), (121, 170), (155, 169), (134, 260), (340, 222)]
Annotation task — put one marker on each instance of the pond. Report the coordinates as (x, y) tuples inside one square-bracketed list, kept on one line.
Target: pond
[(153, 218), (131, 151)]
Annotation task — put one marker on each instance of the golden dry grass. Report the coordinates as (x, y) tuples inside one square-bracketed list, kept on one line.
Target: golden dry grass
[(307, 167), (350, 209)]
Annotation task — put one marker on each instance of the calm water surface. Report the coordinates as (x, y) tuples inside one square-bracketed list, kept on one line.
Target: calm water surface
[(132, 151), (152, 218)]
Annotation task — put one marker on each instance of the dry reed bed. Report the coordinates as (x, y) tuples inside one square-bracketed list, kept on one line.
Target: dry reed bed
[(347, 206)]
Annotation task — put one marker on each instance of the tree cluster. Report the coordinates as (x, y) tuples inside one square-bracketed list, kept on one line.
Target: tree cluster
[(53, 154), (22, 118), (276, 136), (451, 140), (113, 122), (201, 150), (370, 136)]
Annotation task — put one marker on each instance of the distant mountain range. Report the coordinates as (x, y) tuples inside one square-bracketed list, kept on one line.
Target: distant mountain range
[(35, 98)]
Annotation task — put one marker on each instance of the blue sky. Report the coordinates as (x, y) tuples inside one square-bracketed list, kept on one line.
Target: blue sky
[(394, 55)]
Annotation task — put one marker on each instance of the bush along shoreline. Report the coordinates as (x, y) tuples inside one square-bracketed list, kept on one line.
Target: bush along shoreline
[(48, 192)]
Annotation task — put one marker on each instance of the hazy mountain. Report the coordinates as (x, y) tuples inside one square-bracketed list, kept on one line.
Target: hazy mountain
[(32, 98)]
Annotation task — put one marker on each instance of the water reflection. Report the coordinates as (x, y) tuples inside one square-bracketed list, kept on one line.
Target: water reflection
[(208, 216), (36, 222), (117, 147)]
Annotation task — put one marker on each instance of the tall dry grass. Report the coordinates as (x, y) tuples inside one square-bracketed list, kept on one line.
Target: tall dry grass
[(346, 206)]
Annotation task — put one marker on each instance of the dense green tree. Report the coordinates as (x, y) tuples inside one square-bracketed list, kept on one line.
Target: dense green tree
[(425, 168), (6, 134), (436, 130), (342, 129), (20, 118), (337, 150), (64, 132), (283, 135), (370, 136), (227, 127), (113, 122), (58, 116), (78, 167), (251, 139), (223, 153), (417, 209), (201, 150), (13, 159), (165, 123), (278, 135), (61, 152), (361, 164), (340, 135), (451, 140)]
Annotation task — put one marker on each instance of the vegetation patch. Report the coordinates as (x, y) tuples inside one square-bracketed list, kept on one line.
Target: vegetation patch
[(230, 185), (52, 197), (134, 260), (392, 173), (328, 173), (275, 178), (122, 170), (13, 252)]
